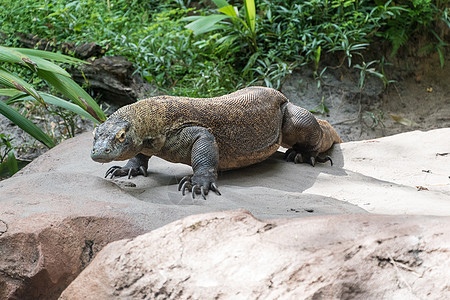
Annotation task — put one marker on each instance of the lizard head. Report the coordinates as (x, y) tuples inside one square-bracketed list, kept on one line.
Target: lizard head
[(114, 140)]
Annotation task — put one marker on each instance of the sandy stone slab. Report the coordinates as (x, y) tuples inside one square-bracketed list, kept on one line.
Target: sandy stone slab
[(64, 186), (232, 255)]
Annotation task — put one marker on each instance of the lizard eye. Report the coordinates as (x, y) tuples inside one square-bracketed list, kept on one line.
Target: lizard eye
[(120, 136)]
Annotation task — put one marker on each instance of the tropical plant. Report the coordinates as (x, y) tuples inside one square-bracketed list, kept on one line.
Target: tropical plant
[(245, 27), (8, 162), (18, 90)]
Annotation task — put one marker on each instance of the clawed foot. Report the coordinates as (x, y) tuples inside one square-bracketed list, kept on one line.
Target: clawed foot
[(200, 184), (310, 158), (117, 171)]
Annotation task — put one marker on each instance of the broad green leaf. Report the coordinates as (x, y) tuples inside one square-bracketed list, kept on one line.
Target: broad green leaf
[(205, 24), (8, 79), (191, 18), (50, 99), (221, 3), (28, 126), (49, 66), (250, 14), (14, 95), (10, 92), (12, 163), (229, 11), (9, 55), (50, 55), (73, 91)]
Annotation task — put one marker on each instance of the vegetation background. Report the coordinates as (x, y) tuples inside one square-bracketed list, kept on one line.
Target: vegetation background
[(208, 48)]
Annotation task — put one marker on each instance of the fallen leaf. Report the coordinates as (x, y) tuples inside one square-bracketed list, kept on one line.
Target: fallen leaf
[(404, 121), (421, 188)]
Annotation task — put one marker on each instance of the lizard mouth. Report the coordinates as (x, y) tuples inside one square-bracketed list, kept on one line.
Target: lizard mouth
[(102, 155)]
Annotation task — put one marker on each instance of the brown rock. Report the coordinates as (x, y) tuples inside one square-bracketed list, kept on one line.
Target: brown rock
[(110, 78), (232, 255), (59, 211), (40, 263), (113, 78), (82, 51), (61, 200)]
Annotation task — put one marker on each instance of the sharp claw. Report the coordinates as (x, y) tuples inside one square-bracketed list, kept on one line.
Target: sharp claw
[(110, 170), (193, 192), (313, 161), (143, 171), (298, 158), (129, 173), (113, 174), (215, 189), (202, 192), (182, 182), (291, 155), (287, 154), (184, 187), (331, 161)]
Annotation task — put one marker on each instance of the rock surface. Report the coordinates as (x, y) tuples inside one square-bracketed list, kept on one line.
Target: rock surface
[(58, 212), (231, 255)]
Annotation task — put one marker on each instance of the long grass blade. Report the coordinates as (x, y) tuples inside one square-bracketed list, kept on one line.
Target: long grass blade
[(10, 80), (43, 64), (250, 14), (50, 99), (28, 126), (73, 91), (9, 55), (50, 55)]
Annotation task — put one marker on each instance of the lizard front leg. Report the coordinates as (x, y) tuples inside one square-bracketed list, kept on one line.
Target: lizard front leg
[(137, 165), (200, 145)]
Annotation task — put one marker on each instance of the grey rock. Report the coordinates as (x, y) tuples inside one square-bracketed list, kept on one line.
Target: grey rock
[(58, 212), (231, 255)]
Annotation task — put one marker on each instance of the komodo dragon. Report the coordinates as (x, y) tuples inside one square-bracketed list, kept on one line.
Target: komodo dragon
[(222, 133)]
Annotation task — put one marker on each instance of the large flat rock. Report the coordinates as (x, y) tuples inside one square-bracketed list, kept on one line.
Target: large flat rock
[(61, 202), (231, 255)]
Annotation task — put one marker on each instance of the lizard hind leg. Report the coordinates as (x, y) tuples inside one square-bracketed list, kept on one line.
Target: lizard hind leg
[(309, 157), (306, 137)]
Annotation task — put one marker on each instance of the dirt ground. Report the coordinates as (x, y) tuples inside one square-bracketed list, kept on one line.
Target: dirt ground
[(418, 99)]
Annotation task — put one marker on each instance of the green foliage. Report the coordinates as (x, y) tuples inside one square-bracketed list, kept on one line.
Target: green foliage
[(239, 28), (322, 108), (183, 50), (5, 147), (8, 162), (19, 90), (412, 17), (149, 33)]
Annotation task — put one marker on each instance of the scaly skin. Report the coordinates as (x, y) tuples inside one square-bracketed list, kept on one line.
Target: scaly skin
[(222, 133)]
